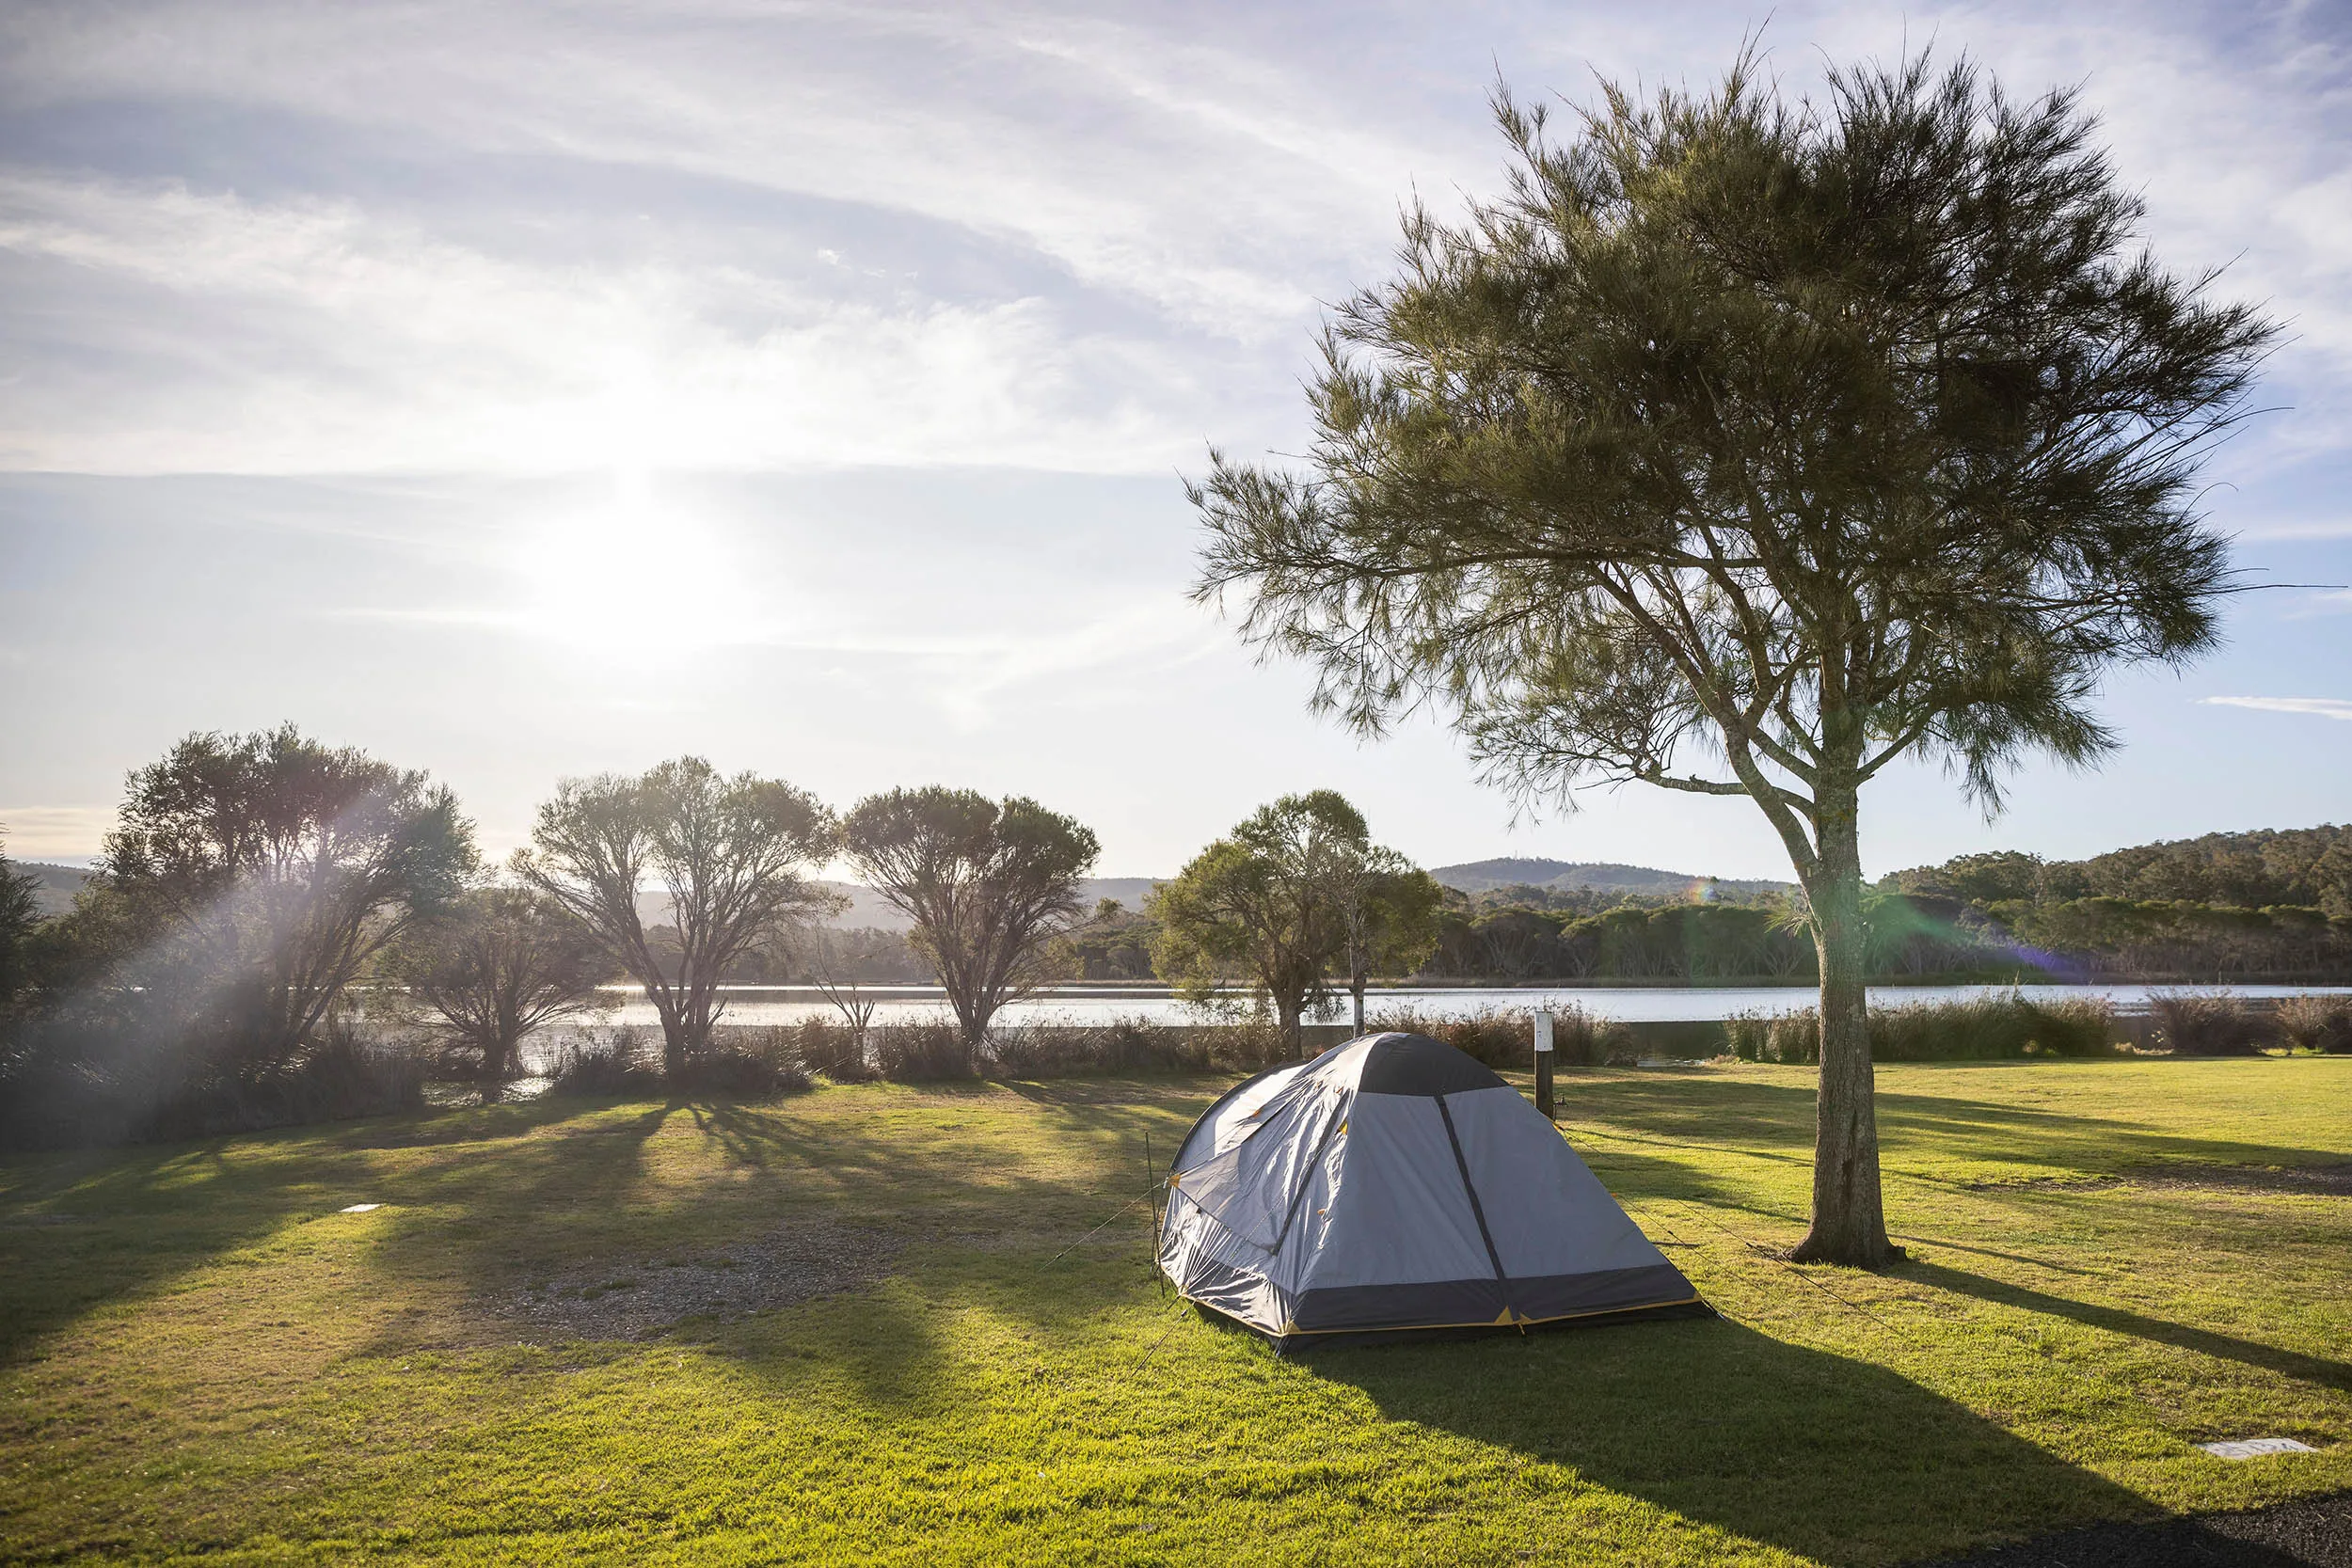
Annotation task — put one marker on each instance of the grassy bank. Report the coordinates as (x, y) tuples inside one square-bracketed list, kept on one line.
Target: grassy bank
[(529, 1353)]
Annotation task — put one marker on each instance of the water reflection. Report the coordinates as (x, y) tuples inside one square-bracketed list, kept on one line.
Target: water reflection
[(1080, 1004)]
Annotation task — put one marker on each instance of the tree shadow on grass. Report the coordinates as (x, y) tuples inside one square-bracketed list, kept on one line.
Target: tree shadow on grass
[(703, 1185), (1774, 1122), (83, 1228), (2116, 1320), (1821, 1455)]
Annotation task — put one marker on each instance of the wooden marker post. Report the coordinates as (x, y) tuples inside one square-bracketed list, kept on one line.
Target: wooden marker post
[(1543, 1064)]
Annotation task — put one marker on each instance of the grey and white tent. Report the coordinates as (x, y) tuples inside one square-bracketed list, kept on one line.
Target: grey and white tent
[(1394, 1184)]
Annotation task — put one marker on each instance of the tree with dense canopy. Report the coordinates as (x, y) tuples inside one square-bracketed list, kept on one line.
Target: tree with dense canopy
[(735, 857), (250, 879), (1294, 892), (988, 885), (1747, 448)]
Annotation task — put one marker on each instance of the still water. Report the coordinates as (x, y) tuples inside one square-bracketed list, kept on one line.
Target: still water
[(1079, 1005)]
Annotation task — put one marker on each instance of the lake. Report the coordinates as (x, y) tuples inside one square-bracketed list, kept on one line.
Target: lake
[(1082, 1004)]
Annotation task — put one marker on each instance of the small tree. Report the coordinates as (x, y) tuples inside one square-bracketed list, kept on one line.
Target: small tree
[(19, 912), (735, 858), (988, 885), (256, 874), (1265, 903), (500, 964), (1389, 907), (1798, 440), (833, 965)]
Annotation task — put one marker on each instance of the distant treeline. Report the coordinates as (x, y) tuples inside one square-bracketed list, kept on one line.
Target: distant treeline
[(2236, 906), (2227, 905), (2299, 868)]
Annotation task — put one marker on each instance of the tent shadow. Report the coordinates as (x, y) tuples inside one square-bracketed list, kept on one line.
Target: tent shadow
[(1819, 1454)]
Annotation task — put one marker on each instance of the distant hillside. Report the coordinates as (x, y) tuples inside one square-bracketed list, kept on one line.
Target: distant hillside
[(1600, 876), (867, 910), (58, 884), (2305, 867)]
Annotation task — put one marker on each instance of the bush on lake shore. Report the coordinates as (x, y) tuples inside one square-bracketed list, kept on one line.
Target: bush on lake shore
[(1979, 1028)]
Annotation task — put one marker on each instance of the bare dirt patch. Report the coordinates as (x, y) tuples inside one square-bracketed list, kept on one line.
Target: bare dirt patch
[(2335, 1180), (2331, 1180), (2040, 1184), (637, 1297)]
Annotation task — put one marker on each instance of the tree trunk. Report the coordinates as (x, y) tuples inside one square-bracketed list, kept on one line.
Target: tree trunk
[(1849, 1215), (1356, 989), (1287, 1009), (677, 1032)]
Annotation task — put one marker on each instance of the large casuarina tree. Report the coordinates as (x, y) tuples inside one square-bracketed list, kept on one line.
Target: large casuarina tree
[(1747, 448)]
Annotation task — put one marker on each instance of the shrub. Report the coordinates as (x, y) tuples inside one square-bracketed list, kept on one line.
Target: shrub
[(1504, 1038), (1494, 1037), (2317, 1023), (338, 1079), (1123, 1045), (609, 1064), (2205, 1024), (1250, 1043), (1976, 1028), (1791, 1036), (833, 1048), (748, 1062), (1581, 1040), (2075, 1026), (929, 1052), (69, 1081)]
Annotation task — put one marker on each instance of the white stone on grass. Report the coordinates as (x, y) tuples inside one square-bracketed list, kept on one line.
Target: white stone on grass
[(360, 1209), (2254, 1447)]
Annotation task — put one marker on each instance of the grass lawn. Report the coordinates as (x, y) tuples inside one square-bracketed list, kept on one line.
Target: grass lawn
[(200, 1356)]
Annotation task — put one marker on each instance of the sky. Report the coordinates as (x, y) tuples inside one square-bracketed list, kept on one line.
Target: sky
[(523, 391)]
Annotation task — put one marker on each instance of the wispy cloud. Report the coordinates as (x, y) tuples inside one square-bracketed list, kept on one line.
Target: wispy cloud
[(1056, 238), (53, 833), (313, 337), (2324, 707)]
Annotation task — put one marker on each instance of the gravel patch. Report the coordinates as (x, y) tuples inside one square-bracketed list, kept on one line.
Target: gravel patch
[(2313, 1533), (636, 1298)]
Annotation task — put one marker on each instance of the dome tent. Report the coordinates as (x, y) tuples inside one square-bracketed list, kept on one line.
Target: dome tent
[(1391, 1185)]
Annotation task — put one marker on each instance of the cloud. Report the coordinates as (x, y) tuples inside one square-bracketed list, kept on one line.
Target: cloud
[(1143, 163), (2324, 707), (497, 239), (53, 833), (312, 335)]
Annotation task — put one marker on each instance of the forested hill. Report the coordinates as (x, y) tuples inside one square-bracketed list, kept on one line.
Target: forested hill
[(54, 886), (1600, 876), (2296, 867)]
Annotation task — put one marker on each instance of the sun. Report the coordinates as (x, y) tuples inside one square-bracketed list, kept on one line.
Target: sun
[(636, 579)]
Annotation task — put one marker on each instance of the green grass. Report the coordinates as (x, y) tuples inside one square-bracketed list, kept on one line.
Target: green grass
[(199, 1356)]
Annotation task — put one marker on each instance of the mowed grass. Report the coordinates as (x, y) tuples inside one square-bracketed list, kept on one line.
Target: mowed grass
[(200, 1356)]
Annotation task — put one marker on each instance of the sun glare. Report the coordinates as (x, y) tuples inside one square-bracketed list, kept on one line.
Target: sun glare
[(634, 580)]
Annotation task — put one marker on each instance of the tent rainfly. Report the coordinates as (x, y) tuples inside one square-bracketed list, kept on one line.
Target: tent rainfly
[(1394, 1185)]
